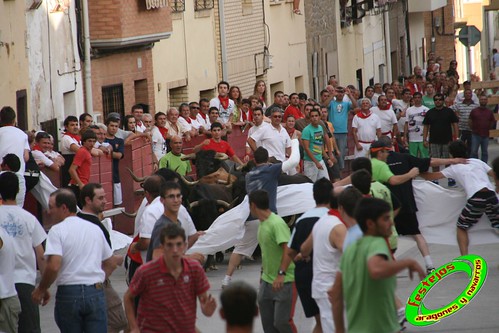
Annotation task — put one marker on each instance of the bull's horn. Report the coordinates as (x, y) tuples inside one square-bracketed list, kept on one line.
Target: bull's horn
[(194, 204), (190, 156), (223, 203), (221, 181), (133, 215), (134, 176), (221, 156), (188, 182)]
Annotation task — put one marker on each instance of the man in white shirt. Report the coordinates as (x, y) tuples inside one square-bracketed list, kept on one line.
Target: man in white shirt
[(400, 107), (174, 126), (28, 235), (480, 193), (413, 129), (366, 128), (14, 141), (258, 124), (10, 309), (460, 95), (78, 272), (138, 111), (222, 102), (387, 116), (274, 138)]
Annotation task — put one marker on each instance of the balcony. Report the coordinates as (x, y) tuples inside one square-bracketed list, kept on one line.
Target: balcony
[(417, 6), (117, 24)]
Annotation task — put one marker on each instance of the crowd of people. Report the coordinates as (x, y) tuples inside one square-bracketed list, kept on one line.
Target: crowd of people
[(339, 255)]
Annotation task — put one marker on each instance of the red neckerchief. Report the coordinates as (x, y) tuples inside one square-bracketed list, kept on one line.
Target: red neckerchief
[(202, 115), (135, 256), (387, 106), (74, 136), (37, 147), (362, 115), (224, 102), (139, 123), (163, 131), (290, 131), (188, 119)]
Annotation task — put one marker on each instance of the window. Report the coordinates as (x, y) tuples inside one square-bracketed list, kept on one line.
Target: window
[(177, 6), (113, 100), (203, 4)]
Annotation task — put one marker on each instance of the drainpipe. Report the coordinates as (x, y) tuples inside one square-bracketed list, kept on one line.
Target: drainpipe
[(386, 21), (223, 43), (88, 68), (408, 34)]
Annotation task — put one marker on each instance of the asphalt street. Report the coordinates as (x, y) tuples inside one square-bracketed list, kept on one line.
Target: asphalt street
[(479, 316)]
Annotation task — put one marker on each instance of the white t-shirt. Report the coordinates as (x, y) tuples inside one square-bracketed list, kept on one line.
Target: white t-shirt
[(223, 114), (159, 147), (7, 264), (388, 119), (326, 260), (460, 98), (13, 141), (140, 128), (202, 121), (83, 248), (27, 233), (366, 128), (253, 129), (414, 119), (184, 123), (471, 176), (400, 106), (274, 140), (66, 142), (140, 212), (40, 156)]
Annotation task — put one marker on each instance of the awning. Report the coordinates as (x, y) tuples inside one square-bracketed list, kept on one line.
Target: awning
[(153, 4)]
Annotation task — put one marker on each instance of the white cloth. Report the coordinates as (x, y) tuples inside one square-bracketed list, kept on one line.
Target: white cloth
[(366, 127), (471, 176), (27, 233), (326, 259), (43, 190), (41, 157), (118, 240), (438, 211), (66, 142), (228, 229), (7, 264), (83, 247), (388, 119), (275, 140), (117, 194), (414, 118), (159, 147)]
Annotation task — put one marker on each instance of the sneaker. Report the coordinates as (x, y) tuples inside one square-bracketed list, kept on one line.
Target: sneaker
[(429, 270), (225, 282), (401, 318), (451, 183)]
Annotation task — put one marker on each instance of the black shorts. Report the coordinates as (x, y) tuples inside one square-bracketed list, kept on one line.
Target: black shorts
[(407, 224), (303, 285), (484, 201)]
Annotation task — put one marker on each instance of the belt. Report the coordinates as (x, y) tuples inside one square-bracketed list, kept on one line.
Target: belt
[(386, 133), (32, 174), (365, 141)]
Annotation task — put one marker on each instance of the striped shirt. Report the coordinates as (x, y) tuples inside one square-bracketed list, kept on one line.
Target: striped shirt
[(463, 112), (168, 304)]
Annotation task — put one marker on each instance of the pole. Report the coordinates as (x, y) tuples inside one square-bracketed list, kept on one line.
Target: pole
[(87, 69)]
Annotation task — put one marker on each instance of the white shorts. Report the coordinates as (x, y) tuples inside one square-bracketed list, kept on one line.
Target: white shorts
[(312, 172), (364, 152), (117, 195), (249, 242)]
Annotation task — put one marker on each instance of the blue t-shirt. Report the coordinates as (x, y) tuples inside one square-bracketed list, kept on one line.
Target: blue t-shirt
[(265, 177), (352, 235), (118, 147), (338, 115)]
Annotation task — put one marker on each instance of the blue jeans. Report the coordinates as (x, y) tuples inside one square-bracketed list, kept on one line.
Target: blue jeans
[(341, 141), (482, 142), (80, 308)]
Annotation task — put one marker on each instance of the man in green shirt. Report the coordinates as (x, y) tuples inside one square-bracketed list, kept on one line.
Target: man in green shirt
[(173, 160), (369, 283), (381, 171), (275, 296)]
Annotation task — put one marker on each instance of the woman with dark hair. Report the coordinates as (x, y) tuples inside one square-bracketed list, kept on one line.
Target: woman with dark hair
[(129, 123), (235, 95), (452, 71)]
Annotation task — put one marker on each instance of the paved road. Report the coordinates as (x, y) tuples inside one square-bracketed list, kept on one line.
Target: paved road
[(480, 316)]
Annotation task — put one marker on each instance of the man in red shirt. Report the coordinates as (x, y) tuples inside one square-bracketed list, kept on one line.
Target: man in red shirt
[(217, 144), (168, 288), (79, 171), (293, 108), (481, 120)]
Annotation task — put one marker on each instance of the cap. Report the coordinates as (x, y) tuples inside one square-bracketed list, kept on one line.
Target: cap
[(114, 115), (380, 145)]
